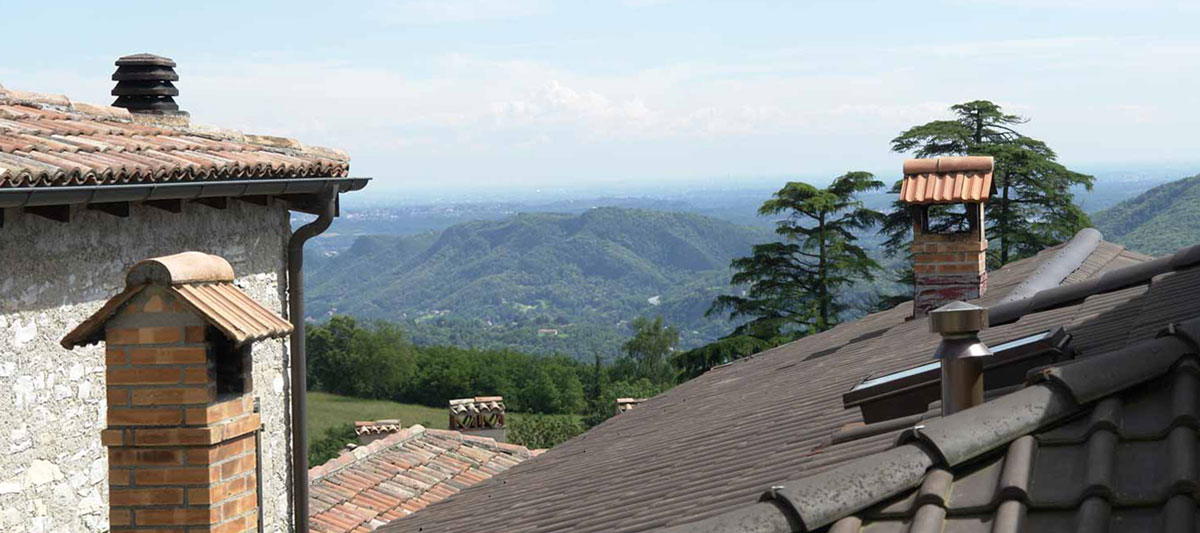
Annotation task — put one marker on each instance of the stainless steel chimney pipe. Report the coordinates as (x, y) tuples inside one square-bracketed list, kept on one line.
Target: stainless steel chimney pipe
[(961, 353)]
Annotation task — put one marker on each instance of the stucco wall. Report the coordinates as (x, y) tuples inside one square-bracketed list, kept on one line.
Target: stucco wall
[(53, 470)]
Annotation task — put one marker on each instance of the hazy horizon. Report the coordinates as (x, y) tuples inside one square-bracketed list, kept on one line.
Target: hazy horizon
[(474, 98)]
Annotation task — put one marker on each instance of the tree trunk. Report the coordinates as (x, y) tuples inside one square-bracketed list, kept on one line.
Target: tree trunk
[(1003, 225), (822, 265), (978, 130)]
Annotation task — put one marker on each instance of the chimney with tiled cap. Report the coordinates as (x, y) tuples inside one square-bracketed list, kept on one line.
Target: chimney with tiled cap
[(181, 417), (144, 88), (481, 415), (949, 264)]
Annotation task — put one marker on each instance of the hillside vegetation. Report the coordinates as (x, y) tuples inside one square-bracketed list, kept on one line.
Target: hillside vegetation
[(1159, 221), (543, 282)]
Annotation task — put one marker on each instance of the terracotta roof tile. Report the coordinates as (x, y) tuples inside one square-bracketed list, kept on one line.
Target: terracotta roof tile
[(400, 474), (947, 180), (200, 281), (47, 140)]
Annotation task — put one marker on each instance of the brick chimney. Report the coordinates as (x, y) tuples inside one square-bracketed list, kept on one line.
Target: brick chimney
[(181, 420), (481, 415), (949, 264)]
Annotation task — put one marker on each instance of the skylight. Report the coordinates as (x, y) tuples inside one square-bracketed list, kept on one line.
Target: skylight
[(911, 391), (934, 365)]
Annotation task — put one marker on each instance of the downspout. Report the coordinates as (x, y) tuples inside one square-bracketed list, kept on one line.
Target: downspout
[(295, 281)]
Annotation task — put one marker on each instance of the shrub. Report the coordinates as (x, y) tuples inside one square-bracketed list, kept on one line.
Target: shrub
[(329, 444), (542, 431)]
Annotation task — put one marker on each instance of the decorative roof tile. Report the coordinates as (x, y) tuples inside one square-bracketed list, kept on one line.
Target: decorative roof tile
[(947, 180), (48, 140)]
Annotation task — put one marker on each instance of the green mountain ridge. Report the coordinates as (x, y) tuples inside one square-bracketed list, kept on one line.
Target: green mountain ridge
[(1159, 221), (496, 283)]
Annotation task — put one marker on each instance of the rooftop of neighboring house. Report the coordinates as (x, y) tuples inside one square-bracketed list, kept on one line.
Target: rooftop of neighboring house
[(770, 441), (56, 153), (402, 473)]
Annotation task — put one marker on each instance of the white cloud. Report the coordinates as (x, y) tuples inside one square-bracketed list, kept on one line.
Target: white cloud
[(471, 116)]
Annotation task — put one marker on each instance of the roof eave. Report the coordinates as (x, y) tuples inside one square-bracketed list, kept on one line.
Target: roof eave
[(286, 188)]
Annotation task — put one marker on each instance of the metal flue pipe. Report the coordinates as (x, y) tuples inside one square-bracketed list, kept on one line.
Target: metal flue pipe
[(961, 353)]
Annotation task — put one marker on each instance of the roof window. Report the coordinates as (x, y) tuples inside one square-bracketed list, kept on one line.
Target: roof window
[(910, 392)]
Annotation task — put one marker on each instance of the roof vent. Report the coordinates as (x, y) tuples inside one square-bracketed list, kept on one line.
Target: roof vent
[(961, 354), (144, 87)]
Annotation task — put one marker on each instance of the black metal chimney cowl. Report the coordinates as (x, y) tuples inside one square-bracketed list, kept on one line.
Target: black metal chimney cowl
[(144, 85)]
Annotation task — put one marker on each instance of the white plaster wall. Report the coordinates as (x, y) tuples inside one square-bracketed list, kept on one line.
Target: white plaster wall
[(53, 470)]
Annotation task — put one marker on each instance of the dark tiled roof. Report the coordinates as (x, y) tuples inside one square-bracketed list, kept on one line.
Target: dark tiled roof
[(1127, 462), (400, 474), (48, 140), (713, 444), (1105, 442)]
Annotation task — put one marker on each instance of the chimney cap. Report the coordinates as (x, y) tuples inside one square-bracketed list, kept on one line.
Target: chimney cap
[(181, 268), (145, 59), (144, 88), (958, 318), (959, 163)]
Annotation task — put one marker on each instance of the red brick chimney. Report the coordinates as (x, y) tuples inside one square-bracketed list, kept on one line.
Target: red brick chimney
[(181, 423), (948, 264)]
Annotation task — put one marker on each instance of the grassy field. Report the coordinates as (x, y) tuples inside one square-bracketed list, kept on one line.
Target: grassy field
[(326, 410)]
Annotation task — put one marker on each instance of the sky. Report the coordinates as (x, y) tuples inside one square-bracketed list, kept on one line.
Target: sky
[(463, 97)]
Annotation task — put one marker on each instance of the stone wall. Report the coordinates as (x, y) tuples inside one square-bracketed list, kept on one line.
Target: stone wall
[(53, 469)]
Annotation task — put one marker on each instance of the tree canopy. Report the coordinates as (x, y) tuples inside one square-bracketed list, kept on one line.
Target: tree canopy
[(652, 342), (1033, 206), (792, 285)]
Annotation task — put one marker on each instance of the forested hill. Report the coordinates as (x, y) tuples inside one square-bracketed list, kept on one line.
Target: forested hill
[(1159, 221), (539, 282)]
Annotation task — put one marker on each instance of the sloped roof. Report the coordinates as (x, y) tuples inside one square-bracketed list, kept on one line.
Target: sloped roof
[(1105, 442), (947, 180), (49, 140), (715, 443), (203, 283), (1127, 462), (400, 474)]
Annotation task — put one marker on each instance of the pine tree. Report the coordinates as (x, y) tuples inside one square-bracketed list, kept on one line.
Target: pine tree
[(1033, 206), (792, 286), (652, 342)]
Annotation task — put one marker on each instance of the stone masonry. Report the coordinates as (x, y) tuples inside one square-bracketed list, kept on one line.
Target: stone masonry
[(54, 472)]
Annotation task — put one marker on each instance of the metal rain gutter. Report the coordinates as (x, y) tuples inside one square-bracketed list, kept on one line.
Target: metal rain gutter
[(295, 280), (188, 190)]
